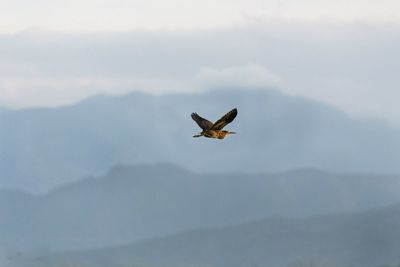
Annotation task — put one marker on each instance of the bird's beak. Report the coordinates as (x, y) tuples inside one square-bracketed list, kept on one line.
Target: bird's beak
[(232, 132)]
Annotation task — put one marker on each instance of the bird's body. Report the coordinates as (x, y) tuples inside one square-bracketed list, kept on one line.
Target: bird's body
[(214, 134), (214, 130)]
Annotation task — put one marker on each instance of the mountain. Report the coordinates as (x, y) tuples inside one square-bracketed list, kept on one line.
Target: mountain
[(132, 203), (364, 239), (45, 147)]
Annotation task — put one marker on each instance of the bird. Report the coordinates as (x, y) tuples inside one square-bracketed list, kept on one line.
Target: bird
[(214, 130)]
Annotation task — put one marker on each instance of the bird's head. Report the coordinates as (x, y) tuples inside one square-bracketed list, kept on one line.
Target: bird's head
[(228, 133)]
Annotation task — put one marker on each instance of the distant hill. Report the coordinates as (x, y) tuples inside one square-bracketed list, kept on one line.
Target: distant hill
[(47, 147), (132, 203), (362, 240)]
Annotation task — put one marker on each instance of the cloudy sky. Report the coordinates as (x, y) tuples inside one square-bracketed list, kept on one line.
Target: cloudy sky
[(99, 15), (345, 53)]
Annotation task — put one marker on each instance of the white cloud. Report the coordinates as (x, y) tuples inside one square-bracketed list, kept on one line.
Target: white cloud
[(249, 75)]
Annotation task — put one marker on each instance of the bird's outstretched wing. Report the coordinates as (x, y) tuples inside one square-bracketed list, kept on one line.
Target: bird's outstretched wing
[(203, 123), (227, 118)]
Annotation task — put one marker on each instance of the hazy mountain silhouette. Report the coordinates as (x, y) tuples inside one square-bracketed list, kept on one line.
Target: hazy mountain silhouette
[(132, 203), (43, 148), (363, 239)]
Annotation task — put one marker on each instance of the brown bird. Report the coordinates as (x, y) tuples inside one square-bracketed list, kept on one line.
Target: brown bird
[(214, 130)]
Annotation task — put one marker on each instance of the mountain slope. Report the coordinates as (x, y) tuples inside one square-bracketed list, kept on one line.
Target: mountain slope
[(131, 203), (363, 239), (43, 148)]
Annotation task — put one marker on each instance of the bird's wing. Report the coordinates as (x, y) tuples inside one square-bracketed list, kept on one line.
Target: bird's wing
[(203, 123), (227, 118)]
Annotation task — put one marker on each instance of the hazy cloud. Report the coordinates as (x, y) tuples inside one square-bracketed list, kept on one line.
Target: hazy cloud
[(251, 75), (350, 65)]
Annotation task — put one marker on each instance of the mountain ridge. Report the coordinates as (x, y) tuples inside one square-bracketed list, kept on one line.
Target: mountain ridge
[(368, 238), (136, 202), (44, 148)]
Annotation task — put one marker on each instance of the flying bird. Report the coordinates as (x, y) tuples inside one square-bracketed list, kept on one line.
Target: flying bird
[(214, 130)]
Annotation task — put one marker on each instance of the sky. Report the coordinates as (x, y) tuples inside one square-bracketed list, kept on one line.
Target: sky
[(344, 53), (100, 15)]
